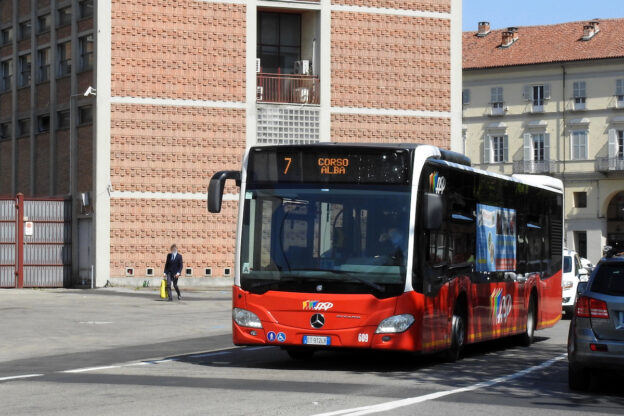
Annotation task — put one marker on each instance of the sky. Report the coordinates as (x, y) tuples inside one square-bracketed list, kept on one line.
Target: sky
[(505, 13)]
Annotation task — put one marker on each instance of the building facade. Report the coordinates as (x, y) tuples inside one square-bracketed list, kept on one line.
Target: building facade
[(550, 100), (184, 87)]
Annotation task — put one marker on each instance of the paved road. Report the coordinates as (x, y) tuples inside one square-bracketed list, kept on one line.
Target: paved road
[(80, 364)]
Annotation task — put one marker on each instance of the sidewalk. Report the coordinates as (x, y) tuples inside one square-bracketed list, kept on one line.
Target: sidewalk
[(183, 282)]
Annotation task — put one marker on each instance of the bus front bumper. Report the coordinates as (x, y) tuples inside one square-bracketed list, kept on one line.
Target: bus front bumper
[(359, 337)]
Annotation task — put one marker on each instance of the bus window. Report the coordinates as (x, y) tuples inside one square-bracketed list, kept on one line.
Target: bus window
[(436, 255)]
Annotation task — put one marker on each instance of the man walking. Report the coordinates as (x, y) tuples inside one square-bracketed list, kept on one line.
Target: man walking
[(173, 268)]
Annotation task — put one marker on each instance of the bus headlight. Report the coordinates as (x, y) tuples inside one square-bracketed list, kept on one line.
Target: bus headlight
[(245, 318), (395, 324), (567, 284)]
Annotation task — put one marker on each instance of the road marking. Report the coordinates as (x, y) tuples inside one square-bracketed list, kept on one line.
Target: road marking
[(84, 370), (384, 407), (95, 322), (18, 377)]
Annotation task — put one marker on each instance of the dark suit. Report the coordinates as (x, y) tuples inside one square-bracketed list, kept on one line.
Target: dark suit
[(172, 268)]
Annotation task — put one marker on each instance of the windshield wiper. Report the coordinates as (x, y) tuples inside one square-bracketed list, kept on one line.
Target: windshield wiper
[(349, 276)]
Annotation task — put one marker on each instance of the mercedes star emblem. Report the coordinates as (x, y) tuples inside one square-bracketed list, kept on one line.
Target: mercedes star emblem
[(317, 321), (319, 288)]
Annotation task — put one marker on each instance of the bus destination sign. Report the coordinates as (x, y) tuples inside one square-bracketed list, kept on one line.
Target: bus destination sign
[(318, 165)]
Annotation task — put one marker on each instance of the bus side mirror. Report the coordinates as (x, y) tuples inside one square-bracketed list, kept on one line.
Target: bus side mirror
[(217, 184), (433, 211)]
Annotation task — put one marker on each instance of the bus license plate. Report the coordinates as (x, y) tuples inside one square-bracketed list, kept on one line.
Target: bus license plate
[(314, 340)]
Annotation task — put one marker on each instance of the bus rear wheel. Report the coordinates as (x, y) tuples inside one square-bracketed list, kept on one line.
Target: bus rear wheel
[(526, 339), (458, 336)]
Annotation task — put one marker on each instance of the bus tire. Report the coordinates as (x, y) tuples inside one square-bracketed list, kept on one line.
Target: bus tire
[(300, 354), (526, 339), (458, 335)]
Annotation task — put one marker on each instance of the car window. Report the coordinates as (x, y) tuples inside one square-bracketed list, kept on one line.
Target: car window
[(609, 279), (567, 264), (577, 263)]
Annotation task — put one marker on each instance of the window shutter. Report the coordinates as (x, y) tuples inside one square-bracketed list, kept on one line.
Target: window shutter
[(505, 148), (619, 87), (527, 92), (547, 147), (547, 91), (528, 147), (613, 144), (466, 96), (487, 149), (493, 95)]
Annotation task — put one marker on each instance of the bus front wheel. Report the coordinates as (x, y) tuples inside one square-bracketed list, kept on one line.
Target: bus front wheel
[(458, 335), (526, 339)]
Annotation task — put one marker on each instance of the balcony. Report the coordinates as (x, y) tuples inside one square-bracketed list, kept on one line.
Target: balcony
[(534, 166), (287, 89), (610, 164)]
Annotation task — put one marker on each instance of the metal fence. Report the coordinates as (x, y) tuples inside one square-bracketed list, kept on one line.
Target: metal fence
[(35, 242), (292, 89)]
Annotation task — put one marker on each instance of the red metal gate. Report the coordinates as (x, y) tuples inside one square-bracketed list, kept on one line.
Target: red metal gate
[(40, 257)]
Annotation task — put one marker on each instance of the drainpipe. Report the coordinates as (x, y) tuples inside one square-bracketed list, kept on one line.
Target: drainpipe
[(563, 117)]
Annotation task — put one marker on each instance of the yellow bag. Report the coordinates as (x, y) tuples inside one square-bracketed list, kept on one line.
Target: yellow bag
[(163, 289)]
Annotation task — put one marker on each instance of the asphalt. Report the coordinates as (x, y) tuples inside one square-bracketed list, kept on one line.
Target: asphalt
[(141, 356)]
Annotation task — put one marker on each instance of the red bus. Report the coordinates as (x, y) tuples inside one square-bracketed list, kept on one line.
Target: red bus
[(395, 247)]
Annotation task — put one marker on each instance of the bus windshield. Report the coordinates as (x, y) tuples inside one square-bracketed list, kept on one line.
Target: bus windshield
[(338, 239)]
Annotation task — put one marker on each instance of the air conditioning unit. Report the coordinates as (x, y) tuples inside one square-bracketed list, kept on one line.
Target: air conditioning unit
[(302, 95), (302, 67), (258, 67), (259, 93)]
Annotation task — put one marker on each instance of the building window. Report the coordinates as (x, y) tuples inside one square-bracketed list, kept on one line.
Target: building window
[(5, 131), (279, 42), (64, 59), (86, 8), (44, 22), (62, 119), (537, 96), (86, 53), (579, 145), (64, 16), (24, 71), (619, 93), (25, 29), (6, 35), (580, 199), (495, 149), (538, 147), (579, 95), (43, 65), (465, 97), (620, 144), (85, 115), (6, 74), (497, 101), (23, 127), (43, 123)]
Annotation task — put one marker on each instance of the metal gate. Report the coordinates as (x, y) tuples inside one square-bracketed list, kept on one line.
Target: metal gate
[(35, 242), (7, 243)]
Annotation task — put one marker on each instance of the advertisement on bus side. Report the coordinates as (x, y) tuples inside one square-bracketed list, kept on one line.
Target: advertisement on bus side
[(496, 239)]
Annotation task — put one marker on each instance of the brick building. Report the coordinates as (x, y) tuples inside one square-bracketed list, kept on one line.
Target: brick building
[(183, 87)]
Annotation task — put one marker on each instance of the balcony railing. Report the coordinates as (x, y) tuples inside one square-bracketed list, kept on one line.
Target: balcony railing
[(606, 164), (534, 166), (288, 88)]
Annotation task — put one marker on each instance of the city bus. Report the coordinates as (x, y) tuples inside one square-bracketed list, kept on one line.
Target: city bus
[(391, 247)]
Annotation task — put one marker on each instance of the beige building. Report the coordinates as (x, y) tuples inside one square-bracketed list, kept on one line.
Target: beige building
[(550, 100)]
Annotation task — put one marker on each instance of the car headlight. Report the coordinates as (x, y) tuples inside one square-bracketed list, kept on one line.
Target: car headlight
[(567, 284), (395, 324), (245, 318)]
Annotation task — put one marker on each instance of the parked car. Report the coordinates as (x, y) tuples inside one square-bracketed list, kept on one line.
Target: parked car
[(596, 337), (587, 265), (573, 272)]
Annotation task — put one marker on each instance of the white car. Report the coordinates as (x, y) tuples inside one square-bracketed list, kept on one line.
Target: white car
[(587, 265), (572, 272)]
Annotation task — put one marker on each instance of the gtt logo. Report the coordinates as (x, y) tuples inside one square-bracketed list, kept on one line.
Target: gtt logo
[(315, 305)]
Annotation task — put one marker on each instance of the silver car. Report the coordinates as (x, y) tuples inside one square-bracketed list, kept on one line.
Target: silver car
[(596, 338)]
